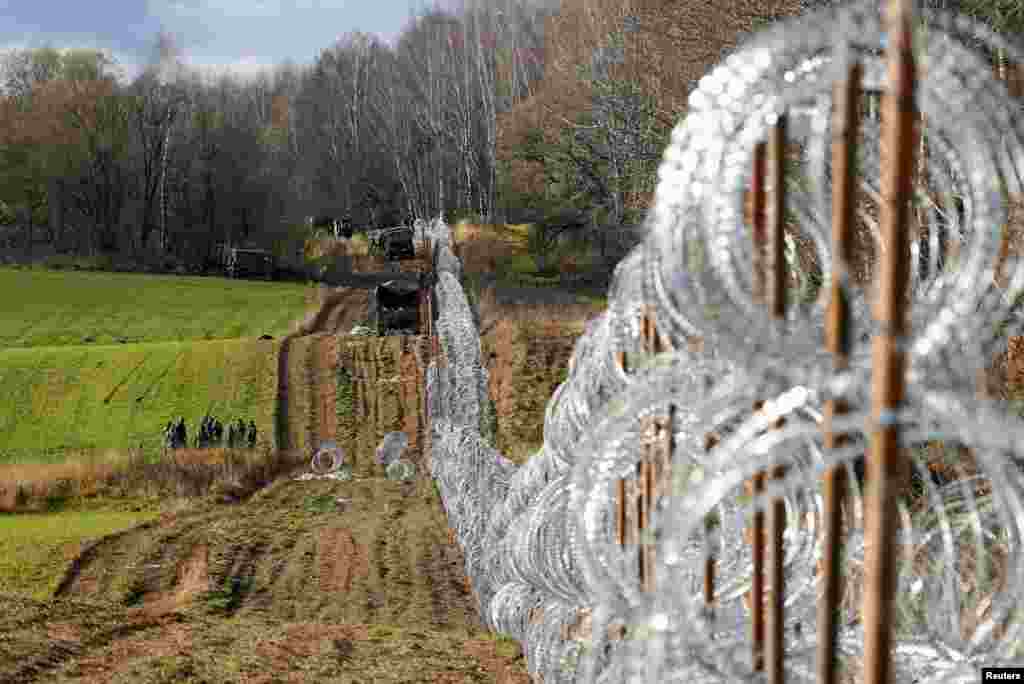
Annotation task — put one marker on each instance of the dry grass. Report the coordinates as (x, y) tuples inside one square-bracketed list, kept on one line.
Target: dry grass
[(553, 318), (483, 247), (182, 472), (376, 264), (317, 248), (526, 349)]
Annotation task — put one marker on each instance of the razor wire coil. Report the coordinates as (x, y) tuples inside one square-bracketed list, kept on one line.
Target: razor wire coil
[(541, 538)]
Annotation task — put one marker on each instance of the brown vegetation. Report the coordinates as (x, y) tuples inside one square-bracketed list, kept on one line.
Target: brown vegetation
[(526, 350), (677, 43), (481, 249)]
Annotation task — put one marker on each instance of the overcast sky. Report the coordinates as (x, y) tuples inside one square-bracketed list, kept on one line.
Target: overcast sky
[(241, 35)]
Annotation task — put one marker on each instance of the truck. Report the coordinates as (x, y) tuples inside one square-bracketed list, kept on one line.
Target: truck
[(394, 243), (396, 307), (255, 263)]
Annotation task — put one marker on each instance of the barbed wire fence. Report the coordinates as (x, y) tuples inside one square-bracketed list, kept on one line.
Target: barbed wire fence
[(697, 511)]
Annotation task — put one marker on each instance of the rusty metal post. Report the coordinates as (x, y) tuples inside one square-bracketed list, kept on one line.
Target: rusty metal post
[(775, 652), (620, 517), (776, 218), (646, 481), (757, 221), (844, 155), (886, 467), (756, 485), (656, 454), (643, 467), (777, 309), (620, 491), (755, 488), (710, 442)]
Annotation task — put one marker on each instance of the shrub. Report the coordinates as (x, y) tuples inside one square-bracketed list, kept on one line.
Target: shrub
[(542, 241), (455, 216)]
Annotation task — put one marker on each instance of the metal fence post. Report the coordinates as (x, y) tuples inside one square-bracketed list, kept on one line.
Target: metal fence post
[(777, 309), (886, 465), (844, 155), (755, 486)]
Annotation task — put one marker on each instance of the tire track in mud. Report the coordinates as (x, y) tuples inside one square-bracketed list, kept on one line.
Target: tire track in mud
[(261, 598), (108, 550), (237, 584), (341, 559), (388, 394), (91, 553), (55, 656), (338, 309), (388, 377)]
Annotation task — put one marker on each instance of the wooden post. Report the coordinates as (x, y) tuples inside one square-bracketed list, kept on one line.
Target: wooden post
[(775, 223), (886, 469), (844, 156), (756, 485), (758, 223), (621, 511), (642, 474), (777, 309), (755, 488), (620, 360), (710, 442), (655, 457), (642, 480)]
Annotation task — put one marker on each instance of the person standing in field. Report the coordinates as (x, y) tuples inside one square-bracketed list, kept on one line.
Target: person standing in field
[(180, 434)]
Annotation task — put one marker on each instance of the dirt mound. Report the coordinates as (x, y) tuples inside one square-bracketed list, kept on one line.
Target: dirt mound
[(174, 640), (193, 578), (385, 378), (311, 639), (341, 559)]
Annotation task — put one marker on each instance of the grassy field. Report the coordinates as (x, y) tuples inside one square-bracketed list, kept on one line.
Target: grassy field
[(97, 363), (63, 401), (35, 547), (59, 308)]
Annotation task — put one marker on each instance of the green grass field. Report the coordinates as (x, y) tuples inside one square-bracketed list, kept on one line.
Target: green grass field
[(95, 363), (58, 308), (62, 400)]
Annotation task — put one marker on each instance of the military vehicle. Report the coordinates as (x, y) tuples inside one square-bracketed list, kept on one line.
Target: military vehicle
[(393, 244), (339, 228), (396, 307), (254, 263)]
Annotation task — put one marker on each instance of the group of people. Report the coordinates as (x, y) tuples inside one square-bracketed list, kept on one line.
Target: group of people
[(211, 434)]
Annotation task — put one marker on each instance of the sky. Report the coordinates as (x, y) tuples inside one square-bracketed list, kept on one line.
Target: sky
[(241, 36)]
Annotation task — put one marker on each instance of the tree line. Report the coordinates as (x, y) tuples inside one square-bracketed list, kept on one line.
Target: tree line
[(173, 163)]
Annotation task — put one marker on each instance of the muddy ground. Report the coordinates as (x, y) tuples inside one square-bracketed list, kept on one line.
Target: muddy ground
[(306, 581)]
